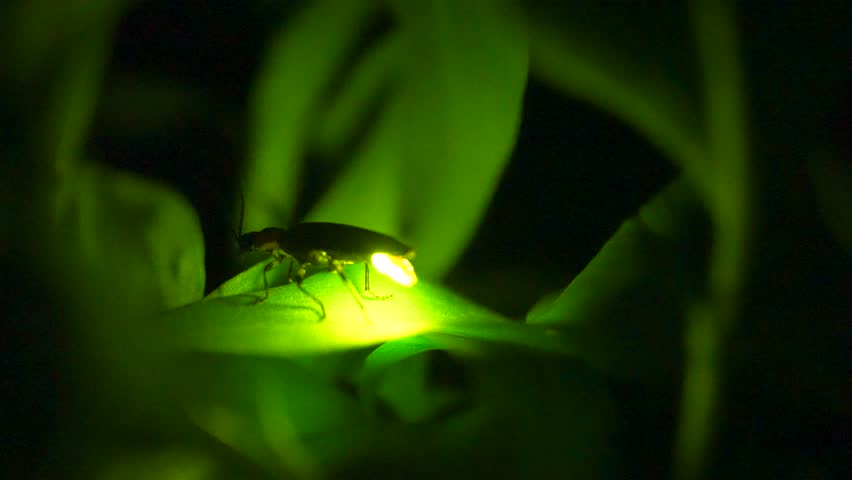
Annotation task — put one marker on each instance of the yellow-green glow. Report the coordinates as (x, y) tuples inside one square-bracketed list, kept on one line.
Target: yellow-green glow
[(397, 268), (231, 320)]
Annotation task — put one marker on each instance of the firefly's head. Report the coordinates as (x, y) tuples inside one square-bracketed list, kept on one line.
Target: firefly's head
[(246, 242), (267, 240)]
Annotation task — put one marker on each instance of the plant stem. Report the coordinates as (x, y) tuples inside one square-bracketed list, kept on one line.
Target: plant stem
[(731, 207)]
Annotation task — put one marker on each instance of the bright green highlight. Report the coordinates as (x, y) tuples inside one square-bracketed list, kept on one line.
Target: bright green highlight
[(397, 268), (232, 320)]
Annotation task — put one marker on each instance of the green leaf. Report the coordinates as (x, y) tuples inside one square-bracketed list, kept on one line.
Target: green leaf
[(832, 180), (395, 351), (623, 312), (542, 414), (300, 63), (117, 249), (460, 98), (626, 71), (166, 462), (363, 87), (406, 390), (37, 33), (150, 234), (58, 50), (431, 162), (288, 324), (275, 411), (368, 192), (729, 199), (396, 373)]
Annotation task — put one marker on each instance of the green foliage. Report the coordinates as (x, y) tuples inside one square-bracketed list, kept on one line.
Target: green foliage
[(288, 323), (101, 213), (427, 383), (454, 75), (613, 61), (286, 95), (624, 310), (833, 180)]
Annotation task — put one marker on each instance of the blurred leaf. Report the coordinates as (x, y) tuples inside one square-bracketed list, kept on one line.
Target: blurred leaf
[(431, 162), (629, 71), (54, 56), (150, 235), (116, 249), (545, 415), (364, 86), (368, 193), (168, 463), (309, 420), (37, 33), (396, 373), (715, 162), (623, 312), (460, 100), (833, 184), (406, 390), (55, 53), (395, 351), (300, 64), (729, 198), (726, 129), (275, 411), (74, 95)]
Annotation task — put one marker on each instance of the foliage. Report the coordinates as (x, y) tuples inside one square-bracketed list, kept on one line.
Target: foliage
[(427, 383)]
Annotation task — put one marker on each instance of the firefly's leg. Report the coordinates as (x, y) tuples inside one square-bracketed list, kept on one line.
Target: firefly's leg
[(373, 296), (300, 276), (277, 257), (337, 267)]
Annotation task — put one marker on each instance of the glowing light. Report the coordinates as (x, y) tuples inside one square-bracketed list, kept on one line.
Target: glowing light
[(397, 268)]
